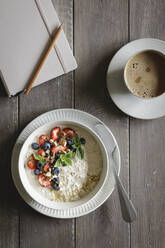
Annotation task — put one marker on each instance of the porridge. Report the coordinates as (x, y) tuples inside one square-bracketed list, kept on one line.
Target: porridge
[(64, 164)]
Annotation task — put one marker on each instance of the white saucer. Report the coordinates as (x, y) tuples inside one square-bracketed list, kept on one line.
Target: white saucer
[(70, 115), (127, 102)]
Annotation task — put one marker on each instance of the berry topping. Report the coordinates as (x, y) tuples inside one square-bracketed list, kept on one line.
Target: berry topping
[(32, 156), (55, 171), (32, 162), (55, 186), (36, 171), (57, 156), (55, 133), (41, 152), (56, 180), (35, 146), (68, 132), (46, 167), (39, 165), (69, 142), (83, 141), (56, 149), (46, 146), (70, 147), (42, 139), (53, 152), (43, 181)]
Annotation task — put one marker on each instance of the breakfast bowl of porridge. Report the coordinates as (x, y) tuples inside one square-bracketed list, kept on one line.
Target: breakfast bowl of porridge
[(63, 165)]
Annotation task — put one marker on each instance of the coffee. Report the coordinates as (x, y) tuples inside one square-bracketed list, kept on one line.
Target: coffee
[(145, 74)]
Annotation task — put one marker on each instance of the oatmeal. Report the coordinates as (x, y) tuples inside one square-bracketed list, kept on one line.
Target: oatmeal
[(65, 165)]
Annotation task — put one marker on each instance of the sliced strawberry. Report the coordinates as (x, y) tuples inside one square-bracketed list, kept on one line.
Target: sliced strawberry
[(43, 181), (68, 132), (46, 167), (53, 149), (56, 149), (32, 162), (42, 139), (32, 157), (55, 133), (41, 152)]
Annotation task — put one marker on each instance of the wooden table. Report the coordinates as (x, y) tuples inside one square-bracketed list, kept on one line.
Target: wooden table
[(96, 29)]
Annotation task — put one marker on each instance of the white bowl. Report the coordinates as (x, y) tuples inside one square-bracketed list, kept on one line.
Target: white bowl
[(40, 198)]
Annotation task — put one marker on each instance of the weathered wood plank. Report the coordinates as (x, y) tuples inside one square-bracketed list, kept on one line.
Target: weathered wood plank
[(9, 217), (56, 93), (100, 29), (37, 230), (147, 143)]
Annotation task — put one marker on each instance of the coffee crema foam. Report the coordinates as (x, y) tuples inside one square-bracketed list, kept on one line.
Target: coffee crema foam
[(144, 74)]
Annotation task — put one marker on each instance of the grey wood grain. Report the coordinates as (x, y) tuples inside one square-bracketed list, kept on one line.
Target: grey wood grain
[(57, 93), (101, 29), (37, 230), (147, 144), (9, 217)]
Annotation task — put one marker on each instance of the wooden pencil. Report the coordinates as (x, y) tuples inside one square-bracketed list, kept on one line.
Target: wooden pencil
[(43, 60)]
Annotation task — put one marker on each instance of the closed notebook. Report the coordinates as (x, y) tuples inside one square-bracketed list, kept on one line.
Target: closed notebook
[(26, 27)]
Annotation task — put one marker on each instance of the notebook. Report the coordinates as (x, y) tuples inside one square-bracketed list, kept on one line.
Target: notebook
[(26, 27)]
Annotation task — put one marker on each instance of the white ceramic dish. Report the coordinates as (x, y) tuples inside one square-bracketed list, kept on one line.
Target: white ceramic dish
[(40, 198), (121, 96), (103, 193)]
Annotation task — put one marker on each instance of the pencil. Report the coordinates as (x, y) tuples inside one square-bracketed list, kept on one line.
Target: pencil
[(43, 60)]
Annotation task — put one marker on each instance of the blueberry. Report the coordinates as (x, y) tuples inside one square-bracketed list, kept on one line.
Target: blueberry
[(56, 180), (55, 186), (83, 141), (36, 171), (46, 146), (55, 171), (35, 146), (69, 142), (39, 165), (57, 156), (70, 147)]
